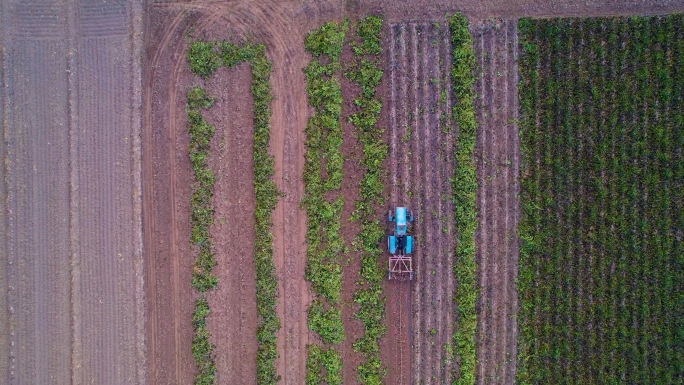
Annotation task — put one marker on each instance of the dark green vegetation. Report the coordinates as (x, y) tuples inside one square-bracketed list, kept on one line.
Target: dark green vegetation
[(323, 174), (365, 72), (601, 280), (201, 217), (204, 58), (464, 187), (318, 359)]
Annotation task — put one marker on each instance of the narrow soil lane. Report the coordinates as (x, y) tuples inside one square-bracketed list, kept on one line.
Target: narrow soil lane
[(419, 101), (496, 154)]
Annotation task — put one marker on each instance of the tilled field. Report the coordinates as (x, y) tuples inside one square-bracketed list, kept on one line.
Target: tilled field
[(496, 154), (72, 267), (170, 295), (420, 314), (72, 257)]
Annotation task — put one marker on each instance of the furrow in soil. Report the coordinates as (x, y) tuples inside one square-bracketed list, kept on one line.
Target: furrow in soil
[(233, 227), (417, 196), (481, 196), (497, 178), (37, 165), (105, 198)]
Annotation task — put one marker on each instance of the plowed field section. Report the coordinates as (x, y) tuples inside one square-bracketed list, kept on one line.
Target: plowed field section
[(233, 228), (73, 260), (38, 200), (421, 313), (105, 197), (496, 159)]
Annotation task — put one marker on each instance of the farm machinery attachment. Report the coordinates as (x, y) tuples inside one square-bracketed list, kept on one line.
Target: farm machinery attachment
[(400, 245)]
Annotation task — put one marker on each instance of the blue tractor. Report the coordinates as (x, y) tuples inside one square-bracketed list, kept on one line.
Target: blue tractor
[(400, 245)]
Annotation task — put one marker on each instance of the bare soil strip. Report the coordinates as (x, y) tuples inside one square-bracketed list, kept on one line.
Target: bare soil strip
[(496, 152), (419, 58), (233, 228), (74, 258)]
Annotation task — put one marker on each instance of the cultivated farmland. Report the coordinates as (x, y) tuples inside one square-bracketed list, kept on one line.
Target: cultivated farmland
[(142, 239), (602, 172)]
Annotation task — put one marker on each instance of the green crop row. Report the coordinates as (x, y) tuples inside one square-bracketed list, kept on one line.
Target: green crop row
[(201, 217), (601, 251), (464, 189), (204, 58), (318, 359), (365, 72), (323, 173)]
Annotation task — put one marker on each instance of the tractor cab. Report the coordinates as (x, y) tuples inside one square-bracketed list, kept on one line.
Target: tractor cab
[(401, 216)]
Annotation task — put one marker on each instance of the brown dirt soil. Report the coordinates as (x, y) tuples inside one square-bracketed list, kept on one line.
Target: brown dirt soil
[(72, 305), (233, 228), (281, 26), (71, 284), (419, 97), (170, 79), (497, 154)]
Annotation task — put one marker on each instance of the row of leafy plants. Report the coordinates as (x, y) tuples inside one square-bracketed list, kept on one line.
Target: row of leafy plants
[(601, 255), (323, 176), (204, 58), (464, 188), (201, 217), (365, 72)]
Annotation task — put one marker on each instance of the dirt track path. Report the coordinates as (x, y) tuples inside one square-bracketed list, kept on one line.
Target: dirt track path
[(289, 114), (496, 156), (420, 159), (73, 258)]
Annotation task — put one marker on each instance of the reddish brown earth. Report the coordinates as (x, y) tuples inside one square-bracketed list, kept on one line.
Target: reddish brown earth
[(72, 264), (171, 361), (233, 228)]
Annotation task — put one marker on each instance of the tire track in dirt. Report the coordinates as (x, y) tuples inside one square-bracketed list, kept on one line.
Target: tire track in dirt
[(284, 41), (148, 195), (513, 204), (4, 228), (233, 227), (447, 201), (243, 18), (399, 169), (179, 61), (152, 226), (421, 156), (496, 251), (417, 168)]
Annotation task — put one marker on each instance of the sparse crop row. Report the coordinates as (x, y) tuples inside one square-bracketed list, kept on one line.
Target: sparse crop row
[(601, 255), (201, 217), (204, 58), (323, 174), (365, 72), (464, 189)]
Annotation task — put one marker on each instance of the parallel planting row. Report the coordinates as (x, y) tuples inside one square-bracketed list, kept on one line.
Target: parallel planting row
[(602, 190), (323, 202), (201, 217), (365, 72), (464, 189), (204, 58)]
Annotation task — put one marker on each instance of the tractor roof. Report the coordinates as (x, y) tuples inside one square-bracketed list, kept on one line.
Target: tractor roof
[(401, 215)]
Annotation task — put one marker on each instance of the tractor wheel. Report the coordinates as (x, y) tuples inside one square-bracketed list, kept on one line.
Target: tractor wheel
[(410, 213), (389, 274), (389, 216)]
